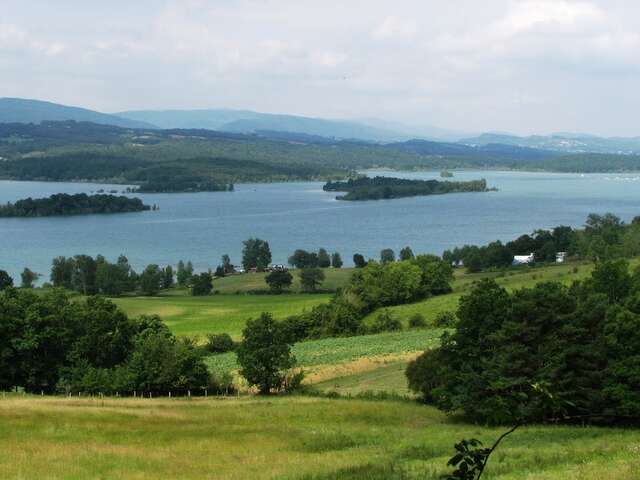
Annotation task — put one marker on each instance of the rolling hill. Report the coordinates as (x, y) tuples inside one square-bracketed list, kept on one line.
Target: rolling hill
[(20, 110)]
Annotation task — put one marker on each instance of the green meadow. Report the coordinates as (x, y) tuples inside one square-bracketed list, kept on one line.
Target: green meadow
[(285, 438), (193, 316)]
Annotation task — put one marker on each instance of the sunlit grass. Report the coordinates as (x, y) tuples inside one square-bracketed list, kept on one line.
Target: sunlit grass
[(284, 437)]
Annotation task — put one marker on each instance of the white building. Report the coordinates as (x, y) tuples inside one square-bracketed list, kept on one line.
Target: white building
[(561, 257), (522, 259)]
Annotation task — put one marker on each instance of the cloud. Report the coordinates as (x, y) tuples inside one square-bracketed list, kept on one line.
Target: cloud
[(521, 65), (394, 27)]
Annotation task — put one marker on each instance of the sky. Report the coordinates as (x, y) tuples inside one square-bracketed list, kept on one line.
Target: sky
[(521, 66)]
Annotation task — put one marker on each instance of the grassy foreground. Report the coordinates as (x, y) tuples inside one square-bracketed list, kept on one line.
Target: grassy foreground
[(284, 438)]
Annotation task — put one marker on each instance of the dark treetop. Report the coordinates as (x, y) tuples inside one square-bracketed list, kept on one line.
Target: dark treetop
[(377, 188), (78, 204)]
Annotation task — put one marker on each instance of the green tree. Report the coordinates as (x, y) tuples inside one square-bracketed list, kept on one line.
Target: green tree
[(184, 273), (202, 284), (264, 354), (167, 277), (5, 280), (406, 253), (311, 278), (324, 260), (62, 272), (83, 276), (151, 280), (256, 254), (437, 274), (227, 266), (387, 255), (336, 260), (303, 259), (279, 280), (28, 278), (359, 261)]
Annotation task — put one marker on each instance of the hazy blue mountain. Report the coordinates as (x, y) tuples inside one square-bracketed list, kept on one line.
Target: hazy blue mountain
[(244, 121), (20, 110), (417, 131), (562, 142)]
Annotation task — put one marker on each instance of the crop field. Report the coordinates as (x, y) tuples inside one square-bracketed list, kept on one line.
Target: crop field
[(286, 438), (193, 316)]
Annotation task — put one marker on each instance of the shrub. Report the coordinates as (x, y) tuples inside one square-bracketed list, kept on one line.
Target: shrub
[(445, 320), (417, 320), (278, 280), (219, 343), (385, 322)]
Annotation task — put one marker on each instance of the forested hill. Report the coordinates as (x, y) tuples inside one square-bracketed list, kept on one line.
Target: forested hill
[(210, 160), (78, 204), (384, 188)]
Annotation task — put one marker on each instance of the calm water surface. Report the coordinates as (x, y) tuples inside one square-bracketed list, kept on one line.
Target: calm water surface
[(203, 226)]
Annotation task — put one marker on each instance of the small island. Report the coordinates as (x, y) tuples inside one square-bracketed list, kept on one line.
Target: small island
[(78, 204), (379, 188)]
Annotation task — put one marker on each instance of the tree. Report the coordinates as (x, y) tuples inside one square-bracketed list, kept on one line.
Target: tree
[(167, 277), (406, 253), (336, 260), (202, 284), (219, 272), (184, 273), (113, 279), (359, 260), (151, 280), (227, 266), (303, 259), (28, 278), (62, 272), (5, 280), (264, 354), (437, 274), (279, 280), (256, 254), (83, 275), (324, 261), (311, 278), (387, 256)]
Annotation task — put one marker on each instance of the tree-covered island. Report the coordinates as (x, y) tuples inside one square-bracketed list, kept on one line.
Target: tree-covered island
[(378, 188), (78, 204)]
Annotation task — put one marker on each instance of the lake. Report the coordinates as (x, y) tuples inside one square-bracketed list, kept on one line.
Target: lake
[(203, 226)]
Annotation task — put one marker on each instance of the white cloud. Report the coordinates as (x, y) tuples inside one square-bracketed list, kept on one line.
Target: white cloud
[(393, 27)]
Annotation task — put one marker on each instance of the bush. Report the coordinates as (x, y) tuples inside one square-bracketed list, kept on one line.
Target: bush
[(417, 320), (278, 280), (219, 343), (221, 383), (202, 284), (385, 322), (445, 320)]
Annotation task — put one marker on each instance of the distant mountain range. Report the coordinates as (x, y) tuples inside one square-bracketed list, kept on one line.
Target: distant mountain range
[(317, 130), (20, 110), (562, 142), (246, 121)]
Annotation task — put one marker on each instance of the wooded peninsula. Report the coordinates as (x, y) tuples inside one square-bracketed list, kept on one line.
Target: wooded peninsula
[(379, 188), (78, 204)]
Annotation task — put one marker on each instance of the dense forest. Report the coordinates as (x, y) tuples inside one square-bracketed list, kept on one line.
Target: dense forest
[(379, 188), (206, 159), (78, 204)]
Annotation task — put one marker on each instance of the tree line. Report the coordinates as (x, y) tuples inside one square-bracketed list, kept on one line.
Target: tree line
[(53, 344), (603, 237)]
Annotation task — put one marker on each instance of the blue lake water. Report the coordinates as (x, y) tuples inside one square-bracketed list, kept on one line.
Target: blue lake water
[(203, 226)]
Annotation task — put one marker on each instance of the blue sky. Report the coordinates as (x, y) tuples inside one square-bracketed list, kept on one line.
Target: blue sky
[(524, 66)]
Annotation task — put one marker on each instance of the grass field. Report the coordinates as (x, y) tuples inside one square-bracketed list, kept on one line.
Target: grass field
[(186, 315), (284, 438), (334, 279)]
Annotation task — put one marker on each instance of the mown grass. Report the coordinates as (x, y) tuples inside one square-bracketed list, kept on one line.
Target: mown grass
[(286, 438), (334, 279), (193, 316)]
